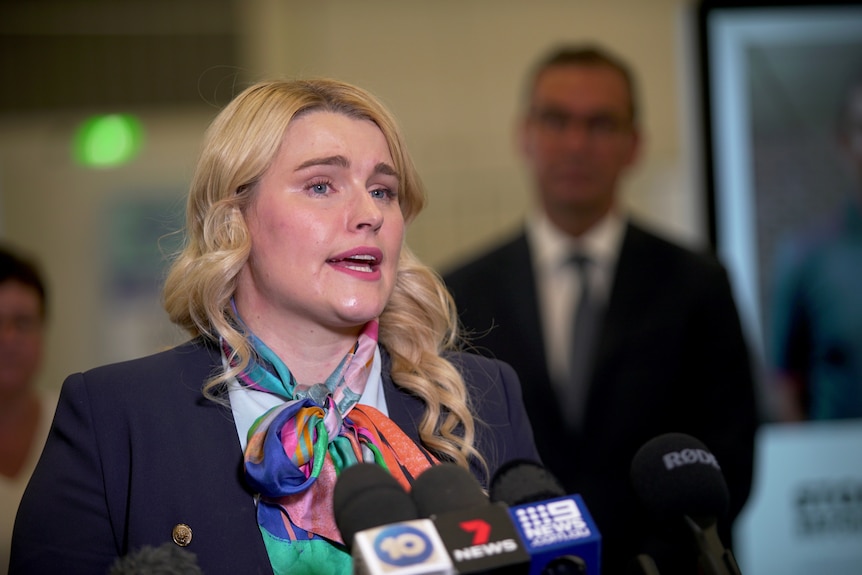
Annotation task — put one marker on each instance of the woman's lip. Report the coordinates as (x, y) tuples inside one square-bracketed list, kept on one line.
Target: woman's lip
[(371, 256), (360, 265)]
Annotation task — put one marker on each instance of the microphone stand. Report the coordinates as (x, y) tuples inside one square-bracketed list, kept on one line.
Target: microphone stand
[(645, 565), (714, 558)]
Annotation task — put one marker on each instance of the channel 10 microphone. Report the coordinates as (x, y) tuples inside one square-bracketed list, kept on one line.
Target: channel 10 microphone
[(678, 480), (478, 534), (380, 524), (557, 530)]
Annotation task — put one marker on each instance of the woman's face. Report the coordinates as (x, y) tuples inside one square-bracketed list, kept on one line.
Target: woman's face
[(326, 230)]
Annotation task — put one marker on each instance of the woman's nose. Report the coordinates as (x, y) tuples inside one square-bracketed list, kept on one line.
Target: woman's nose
[(367, 212)]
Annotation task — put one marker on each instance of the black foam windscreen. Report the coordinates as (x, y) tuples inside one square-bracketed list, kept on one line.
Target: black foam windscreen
[(446, 487), (367, 496), (522, 481), (166, 559), (676, 475)]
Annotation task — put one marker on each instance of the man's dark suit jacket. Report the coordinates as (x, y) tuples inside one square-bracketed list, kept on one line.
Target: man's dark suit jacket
[(670, 358), (136, 449)]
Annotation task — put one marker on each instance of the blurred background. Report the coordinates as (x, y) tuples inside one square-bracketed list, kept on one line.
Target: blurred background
[(451, 71), (104, 103)]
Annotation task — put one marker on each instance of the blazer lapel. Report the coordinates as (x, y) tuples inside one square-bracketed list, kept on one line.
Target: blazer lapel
[(404, 409), (522, 299), (632, 286)]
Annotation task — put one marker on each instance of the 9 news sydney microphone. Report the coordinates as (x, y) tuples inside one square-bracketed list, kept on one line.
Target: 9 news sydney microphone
[(557, 530)]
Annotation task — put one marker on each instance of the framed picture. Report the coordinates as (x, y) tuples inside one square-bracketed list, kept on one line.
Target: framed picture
[(776, 81), (774, 77)]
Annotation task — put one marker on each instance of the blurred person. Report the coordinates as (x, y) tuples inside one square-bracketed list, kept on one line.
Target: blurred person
[(617, 334), (25, 411), (319, 341), (816, 348)]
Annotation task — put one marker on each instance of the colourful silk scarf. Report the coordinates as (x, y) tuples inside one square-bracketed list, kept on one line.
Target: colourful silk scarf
[(297, 449)]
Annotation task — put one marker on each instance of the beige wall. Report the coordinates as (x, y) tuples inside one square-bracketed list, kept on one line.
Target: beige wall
[(450, 70)]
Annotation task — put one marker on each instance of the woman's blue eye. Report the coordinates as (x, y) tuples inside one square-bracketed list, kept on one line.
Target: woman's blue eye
[(383, 193), (320, 188)]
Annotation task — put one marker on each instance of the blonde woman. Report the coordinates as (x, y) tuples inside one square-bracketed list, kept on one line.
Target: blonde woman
[(318, 341)]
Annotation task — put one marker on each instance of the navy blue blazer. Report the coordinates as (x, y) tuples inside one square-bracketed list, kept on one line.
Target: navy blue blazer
[(671, 357), (136, 449)]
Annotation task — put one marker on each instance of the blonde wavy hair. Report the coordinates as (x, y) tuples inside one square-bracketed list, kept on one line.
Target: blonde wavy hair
[(419, 321)]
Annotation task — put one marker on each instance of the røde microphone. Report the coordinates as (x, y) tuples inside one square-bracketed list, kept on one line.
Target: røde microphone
[(557, 530), (166, 559), (679, 480), (379, 522), (478, 534)]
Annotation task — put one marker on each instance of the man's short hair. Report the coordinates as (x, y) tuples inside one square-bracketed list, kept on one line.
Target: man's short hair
[(586, 55)]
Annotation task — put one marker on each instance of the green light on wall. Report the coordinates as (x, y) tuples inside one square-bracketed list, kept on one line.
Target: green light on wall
[(108, 140)]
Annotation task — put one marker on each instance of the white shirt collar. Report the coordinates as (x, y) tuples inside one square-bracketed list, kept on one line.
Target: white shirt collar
[(551, 247)]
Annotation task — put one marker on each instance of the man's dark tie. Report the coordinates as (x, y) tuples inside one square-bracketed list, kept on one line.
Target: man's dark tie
[(584, 334)]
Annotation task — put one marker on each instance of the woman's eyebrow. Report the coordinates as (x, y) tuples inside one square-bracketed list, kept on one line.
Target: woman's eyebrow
[(385, 169), (340, 161)]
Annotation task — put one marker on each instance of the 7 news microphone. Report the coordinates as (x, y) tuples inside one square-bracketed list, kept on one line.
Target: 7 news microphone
[(478, 534), (679, 481)]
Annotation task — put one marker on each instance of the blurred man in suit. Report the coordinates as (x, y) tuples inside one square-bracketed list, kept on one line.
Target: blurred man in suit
[(617, 334)]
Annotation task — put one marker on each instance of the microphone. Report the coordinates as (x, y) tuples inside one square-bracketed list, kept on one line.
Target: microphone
[(478, 534), (678, 479), (557, 530), (166, 559), (381, 526)]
